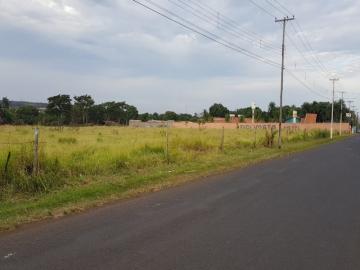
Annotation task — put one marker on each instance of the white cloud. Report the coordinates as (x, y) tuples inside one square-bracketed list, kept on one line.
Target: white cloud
[(104, 46)]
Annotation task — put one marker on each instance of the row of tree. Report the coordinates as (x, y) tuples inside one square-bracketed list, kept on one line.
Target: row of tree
[(322, 109), (63, 110)]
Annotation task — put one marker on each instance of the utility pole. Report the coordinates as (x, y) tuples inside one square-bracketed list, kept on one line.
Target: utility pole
[(253, 107), (332, 106), (341, 109), (350, 102), (283, 21)]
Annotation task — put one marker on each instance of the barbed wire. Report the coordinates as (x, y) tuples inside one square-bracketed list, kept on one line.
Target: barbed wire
[(19, 143)]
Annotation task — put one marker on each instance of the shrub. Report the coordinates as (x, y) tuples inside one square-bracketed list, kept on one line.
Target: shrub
[(320, 134)]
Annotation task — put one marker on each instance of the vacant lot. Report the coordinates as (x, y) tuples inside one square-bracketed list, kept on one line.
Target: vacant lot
[(82, 167)]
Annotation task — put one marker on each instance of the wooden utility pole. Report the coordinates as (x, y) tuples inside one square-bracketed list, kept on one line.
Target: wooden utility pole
[(283, 21), (332, 107)]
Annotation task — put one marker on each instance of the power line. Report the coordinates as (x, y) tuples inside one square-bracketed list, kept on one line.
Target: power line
[(283, 7), (205, 17), (208, 35), (303, 39), (230, 22), (263, 9), (305, 85), (306, 60), (275, 8), (318, 93), (215, 38), (306, 44)]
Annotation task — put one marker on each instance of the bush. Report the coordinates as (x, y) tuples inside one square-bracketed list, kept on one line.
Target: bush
[(320, 134)]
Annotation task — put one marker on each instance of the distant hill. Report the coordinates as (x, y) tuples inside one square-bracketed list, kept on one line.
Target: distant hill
[(17, 104)]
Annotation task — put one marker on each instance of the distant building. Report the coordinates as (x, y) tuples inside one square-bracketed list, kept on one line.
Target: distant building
[(310, 118), (294, 119)]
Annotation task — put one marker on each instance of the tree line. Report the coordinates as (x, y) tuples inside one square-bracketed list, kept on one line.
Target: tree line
[(82, 110), (322, 109)]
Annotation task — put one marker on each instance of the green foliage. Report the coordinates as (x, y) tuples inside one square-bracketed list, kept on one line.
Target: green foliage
[(59, 108), (28, 115), (60, 111), (218, 110), (5, 103), (82, 106), (320, 134)]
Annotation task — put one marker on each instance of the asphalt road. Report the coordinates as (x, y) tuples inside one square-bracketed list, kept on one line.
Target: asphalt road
[(299, 212)]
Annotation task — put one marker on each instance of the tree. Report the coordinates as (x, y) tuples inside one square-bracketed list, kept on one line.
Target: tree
[(144, 117), (322, 109), (83, 104), (131, 113), (184, 117), (59, 107), (119, 112), (273, 112), (218, 110), (6, 116), (247, 113), (206, 116), (27, 115), (5, 103), (169, 115), (97, 114)]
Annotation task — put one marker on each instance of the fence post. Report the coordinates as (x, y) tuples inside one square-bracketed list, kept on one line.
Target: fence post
[(167, 142), (255, 129), (7, 162), (36, 151), (222, 140), (287, 133)]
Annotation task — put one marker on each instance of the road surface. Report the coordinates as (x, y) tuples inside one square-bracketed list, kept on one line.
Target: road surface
[(299, 212)]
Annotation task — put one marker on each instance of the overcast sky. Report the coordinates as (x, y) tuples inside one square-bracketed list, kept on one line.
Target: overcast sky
[(118, 50)]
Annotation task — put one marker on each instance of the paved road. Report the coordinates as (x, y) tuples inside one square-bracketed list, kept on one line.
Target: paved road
[(300, 212)]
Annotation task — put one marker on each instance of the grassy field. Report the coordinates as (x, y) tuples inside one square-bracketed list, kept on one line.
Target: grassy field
[(88, 166)]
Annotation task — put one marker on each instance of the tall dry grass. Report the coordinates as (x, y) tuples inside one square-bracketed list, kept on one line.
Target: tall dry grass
[(70, 155)]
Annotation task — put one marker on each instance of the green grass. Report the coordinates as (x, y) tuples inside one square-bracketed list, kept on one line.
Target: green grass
[(84, 167)]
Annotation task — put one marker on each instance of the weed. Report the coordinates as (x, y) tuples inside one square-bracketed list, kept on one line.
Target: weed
[(67, 140)]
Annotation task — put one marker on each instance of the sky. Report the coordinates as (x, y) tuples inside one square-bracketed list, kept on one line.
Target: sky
[(119, 50)]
